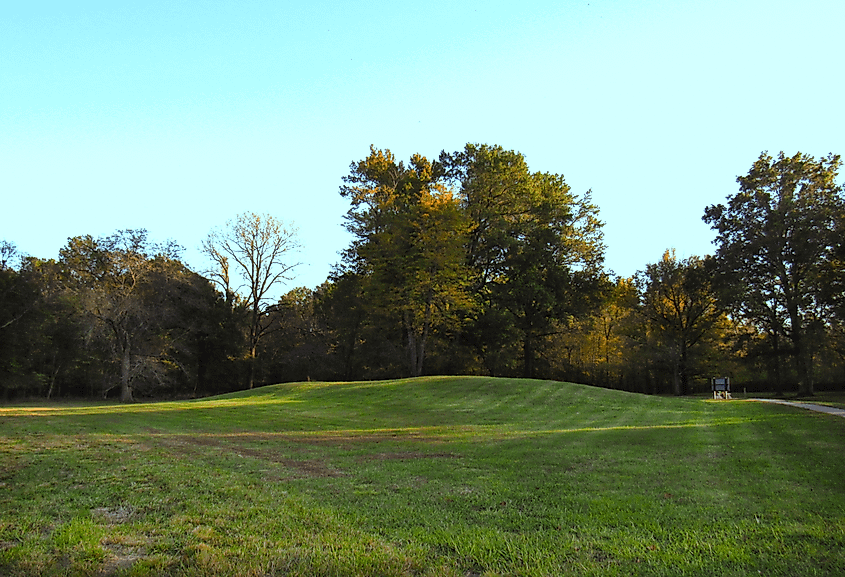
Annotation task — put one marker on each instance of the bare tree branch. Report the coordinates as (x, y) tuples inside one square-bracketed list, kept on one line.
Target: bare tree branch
[(253, 250)]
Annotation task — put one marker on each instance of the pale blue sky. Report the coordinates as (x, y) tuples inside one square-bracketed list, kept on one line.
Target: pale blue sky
[(176, 116)]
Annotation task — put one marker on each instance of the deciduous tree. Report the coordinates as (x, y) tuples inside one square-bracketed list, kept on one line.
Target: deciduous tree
[(409, 245), (680, 305), (19, 323), (117, 281), (252, 257), (777, 238), (535, 248)]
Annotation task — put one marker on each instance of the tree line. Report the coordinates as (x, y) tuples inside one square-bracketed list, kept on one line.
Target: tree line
[(467, 264)]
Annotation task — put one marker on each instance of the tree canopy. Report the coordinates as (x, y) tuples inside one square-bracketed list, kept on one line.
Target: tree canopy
[(467, 263), (408, 247), (252, 250), (535, 249), (777, 241)]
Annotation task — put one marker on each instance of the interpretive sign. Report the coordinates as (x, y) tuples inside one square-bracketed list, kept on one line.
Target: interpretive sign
[(721, 387)]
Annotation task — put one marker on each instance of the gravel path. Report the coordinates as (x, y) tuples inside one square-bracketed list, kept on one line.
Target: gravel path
[(820, 408)]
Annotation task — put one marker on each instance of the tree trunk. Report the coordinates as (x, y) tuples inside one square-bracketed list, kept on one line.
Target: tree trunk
[(802, 364), (683, 370), (805, 373), (125, 368), (426, 330), (53, 375), (774, 371), (528, 355), (252, 355), (254, 336), (416, 343), (676, 373), (413, 362)]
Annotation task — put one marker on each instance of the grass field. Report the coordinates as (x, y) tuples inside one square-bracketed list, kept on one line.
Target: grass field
[(433, 476)]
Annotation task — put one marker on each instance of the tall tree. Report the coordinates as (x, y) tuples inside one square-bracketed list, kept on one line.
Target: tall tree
[(116, 281), (19, 323), (535, 247), (341, 303), (614, 330), (56, 341), (253, 251), (14, 303), (776, 238), (299, 350), (10, 257), (409, 244), (680, 305)]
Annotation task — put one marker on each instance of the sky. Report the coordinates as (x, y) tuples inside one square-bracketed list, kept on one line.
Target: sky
[(177, 116)]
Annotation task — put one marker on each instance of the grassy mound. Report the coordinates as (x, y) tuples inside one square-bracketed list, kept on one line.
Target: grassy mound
[(432, 476)]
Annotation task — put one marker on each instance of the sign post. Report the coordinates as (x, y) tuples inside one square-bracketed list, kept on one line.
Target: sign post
[(721, 387)]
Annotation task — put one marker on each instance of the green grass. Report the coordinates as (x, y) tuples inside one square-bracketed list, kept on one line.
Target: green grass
[(433, 476)]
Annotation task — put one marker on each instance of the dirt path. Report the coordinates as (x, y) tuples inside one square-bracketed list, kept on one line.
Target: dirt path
[(820, 408)]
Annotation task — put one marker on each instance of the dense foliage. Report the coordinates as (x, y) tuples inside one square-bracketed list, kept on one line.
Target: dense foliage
[(467, 264)]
